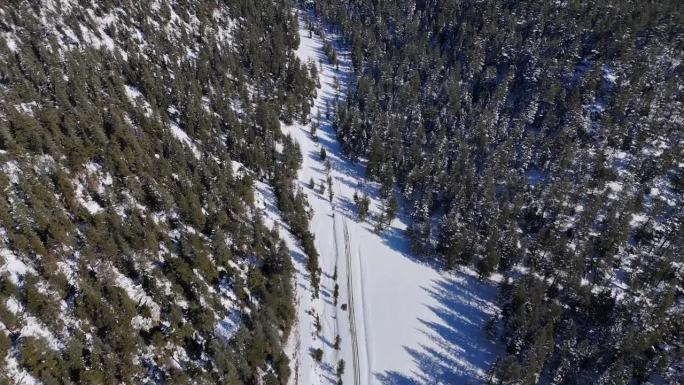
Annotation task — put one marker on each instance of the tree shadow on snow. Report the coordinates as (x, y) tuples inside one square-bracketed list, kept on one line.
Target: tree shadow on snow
[(460, 352), (298, 256), (396, 378), (396, 240)]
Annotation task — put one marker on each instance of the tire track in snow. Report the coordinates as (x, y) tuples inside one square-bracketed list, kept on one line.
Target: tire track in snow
[(352, 313), (365, 315), (334, 281), (333, 83)]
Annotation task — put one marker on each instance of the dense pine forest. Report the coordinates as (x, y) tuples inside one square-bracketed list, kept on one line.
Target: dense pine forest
[(541, 141), (538, 143), (131, 135)]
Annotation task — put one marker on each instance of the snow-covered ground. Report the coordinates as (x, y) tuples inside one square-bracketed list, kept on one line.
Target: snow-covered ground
[(412, 323)]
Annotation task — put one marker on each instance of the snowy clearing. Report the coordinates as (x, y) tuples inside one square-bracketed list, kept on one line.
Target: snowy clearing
[(411, 323)]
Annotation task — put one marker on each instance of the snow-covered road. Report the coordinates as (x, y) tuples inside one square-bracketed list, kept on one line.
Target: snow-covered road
[(405, 322), (352, 313)]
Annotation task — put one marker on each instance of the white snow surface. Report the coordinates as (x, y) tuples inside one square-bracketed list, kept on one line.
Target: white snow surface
[(18, 375), (12, 170), (91, 170), (136, 97), (12, 264), (10, 41), (414, 323), (137, 294), (182, 136), (31, 326), (229, 325), (609, 74)]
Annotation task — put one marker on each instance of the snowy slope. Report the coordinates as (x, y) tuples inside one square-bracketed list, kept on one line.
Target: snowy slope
[(411, 322), (159, 314)]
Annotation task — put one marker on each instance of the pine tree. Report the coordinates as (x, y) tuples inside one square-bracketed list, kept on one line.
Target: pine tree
[(391, 207), (340, 368), (362, 205)]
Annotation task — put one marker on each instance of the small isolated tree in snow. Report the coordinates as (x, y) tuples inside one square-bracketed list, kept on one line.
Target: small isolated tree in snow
[(391, 207), (336, 293), (317, 324), (389, 212), (330, 189), (314, 129), (340, 367), (363, 205), (317, 354), (324, 154), (490, 328)]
